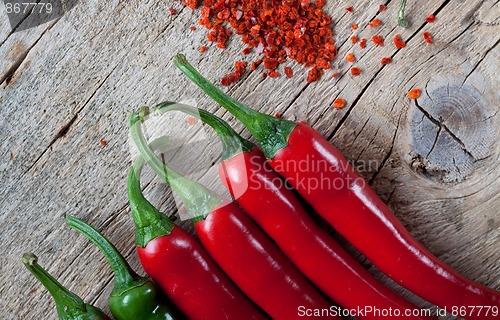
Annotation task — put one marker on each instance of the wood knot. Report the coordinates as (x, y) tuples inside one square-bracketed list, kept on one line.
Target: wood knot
[(451, 132)]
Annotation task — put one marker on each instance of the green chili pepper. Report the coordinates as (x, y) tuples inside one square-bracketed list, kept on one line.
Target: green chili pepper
[(133, 297), (69, 306)]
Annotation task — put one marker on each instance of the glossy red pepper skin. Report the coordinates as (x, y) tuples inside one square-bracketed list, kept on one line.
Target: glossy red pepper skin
[(356, 212), (191, 279), (262, 194), (256, 265)]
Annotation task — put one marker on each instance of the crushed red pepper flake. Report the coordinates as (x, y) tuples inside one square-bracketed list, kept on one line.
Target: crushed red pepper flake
[(427, 37), (350, 57), (399, 42), (103, 142), (192, 28), (190, 120), (289, 29), (355, 71), (414, 93), (349, 9), (277, 115), (231, 78), (274, 74), (246, 51), (378, 40), (362, 43), (339, 103), (386, 60), (354, 26), (203, 49), (375, 23), (382, 8), (314, 74), (172, 11), (288, 72), (354, 39), (190, 3), (430, 18), (336, 74)]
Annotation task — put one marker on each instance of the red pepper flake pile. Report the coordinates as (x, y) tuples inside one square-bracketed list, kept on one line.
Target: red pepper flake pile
[(339, 103), (103, 142), (349, 9), (375, 23), (398, 42), (350, 57), (362, 43), (355, 71), (386, 60), (299, 30), (427, 37), (288, 72), (231, 78), (378, 40), (172, 11), (414, 93), (354, 26), (431, 18), (203, 49), (382, 8)]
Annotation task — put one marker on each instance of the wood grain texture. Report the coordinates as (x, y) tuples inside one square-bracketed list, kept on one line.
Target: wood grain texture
[(71, 82)]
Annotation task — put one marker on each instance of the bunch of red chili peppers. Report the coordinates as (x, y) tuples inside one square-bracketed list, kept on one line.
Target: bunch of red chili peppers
[(260, 255)]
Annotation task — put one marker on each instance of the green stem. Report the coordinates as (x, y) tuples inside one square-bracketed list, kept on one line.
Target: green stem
[(272, 133), (150, 222), (197, 199), (232, 142), (65, 299), (402, 22), (124, 275)]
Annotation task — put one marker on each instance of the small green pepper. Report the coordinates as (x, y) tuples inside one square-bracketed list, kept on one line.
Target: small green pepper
[(133, 297), (69, 306)]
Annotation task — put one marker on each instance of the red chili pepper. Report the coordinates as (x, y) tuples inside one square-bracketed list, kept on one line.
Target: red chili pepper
[(237, 244), (265, 198), (349, 204), (180, 266)]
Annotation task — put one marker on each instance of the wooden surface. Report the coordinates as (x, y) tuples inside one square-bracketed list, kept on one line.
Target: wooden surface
[(71, 82)]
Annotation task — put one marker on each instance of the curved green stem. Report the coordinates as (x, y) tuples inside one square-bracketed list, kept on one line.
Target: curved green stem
[(124, 275), (232, 142), (150, 222), (197, 199), (402, 22), (272, 133), (65, 299)]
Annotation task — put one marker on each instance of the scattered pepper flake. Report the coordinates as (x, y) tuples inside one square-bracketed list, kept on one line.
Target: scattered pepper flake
[(274, 74), (231, 78), (354, 39), (362, 43), (375, 23), (203, 49), (336, 74), (190, 3), (355, 71), (192, 28), (172, 11), (288, 72), (414, 93), (354, 26), (246, 51), (399, 42), (103, 142), (386, 60), (427, 37), (350, 57), (382, 8), (277, 115), (339, 103), (190, 120), (431, 18), (349, 9), (378, 40)]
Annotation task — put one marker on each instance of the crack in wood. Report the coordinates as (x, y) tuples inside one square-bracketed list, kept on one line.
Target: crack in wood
[(480, 61), (18, 24)]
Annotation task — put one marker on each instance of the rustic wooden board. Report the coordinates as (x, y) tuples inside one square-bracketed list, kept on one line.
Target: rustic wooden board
[(71, 82)]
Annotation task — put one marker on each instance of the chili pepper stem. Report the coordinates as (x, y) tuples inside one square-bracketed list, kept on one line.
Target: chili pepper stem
[(197, 199), (232, 142), (402, 22), (150, 223), (65, 299), (271, 132), (124, 275)]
